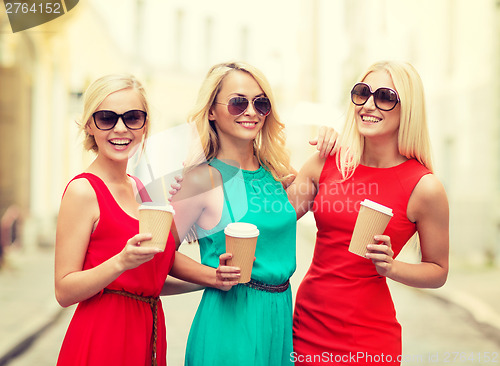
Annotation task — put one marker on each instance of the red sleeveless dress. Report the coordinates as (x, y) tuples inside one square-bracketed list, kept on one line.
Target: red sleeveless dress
[(344, 314), (108, 328)]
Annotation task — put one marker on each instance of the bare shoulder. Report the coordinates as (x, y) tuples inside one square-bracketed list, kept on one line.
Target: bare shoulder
[(79, 203), (80, 190), (202, 178), (198, 181), (428, 196), (429, 188)]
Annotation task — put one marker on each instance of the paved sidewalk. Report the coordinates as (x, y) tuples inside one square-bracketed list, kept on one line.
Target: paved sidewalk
[(477, 290), (27, 301)]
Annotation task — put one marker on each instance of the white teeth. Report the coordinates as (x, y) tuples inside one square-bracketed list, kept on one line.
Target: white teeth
[(120, 141), (370, 119), (247, 124)]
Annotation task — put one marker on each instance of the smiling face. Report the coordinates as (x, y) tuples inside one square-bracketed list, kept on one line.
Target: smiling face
[(371, 121), (118, 143), (247, 125)]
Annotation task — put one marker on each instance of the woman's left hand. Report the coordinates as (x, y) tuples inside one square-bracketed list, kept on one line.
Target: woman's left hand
[(175, 187), (226, 276), (326, 141), (381, 254)]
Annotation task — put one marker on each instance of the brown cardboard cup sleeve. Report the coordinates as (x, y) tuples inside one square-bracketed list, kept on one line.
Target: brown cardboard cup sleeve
[(241, 241), (372, 220), (156, 220)]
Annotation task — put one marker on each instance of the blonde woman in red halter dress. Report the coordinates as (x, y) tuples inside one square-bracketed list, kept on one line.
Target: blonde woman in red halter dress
[(100, 263), (344, 314)]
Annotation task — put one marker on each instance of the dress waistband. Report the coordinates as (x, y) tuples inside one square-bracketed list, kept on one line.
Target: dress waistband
[(261, 286), (153, 302)]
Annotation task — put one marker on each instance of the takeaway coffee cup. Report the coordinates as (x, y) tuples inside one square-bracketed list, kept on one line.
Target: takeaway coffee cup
[(372, 220), (241, 240), (156, 220)]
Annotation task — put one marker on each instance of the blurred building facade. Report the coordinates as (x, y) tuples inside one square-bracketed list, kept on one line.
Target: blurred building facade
[(312, 52)]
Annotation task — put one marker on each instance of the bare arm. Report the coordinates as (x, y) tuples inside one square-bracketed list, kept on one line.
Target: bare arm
[(195, 201), (77, 216), (428, 207), (199, 202), (186, 269), (174, 286), (304, 188)]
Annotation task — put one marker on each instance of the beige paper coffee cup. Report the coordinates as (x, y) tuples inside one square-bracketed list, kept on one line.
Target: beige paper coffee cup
[(157, 221), (372, 220), (241, 240)]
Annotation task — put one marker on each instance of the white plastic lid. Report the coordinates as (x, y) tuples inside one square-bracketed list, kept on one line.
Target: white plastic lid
[(241, 230), (168, 208), (377, 207)]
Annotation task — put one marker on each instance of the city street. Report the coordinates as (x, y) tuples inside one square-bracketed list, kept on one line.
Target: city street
[(434, 331), (430, 80)]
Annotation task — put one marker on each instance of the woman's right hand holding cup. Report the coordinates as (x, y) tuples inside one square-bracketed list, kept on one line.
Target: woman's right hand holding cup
[(133, 255)]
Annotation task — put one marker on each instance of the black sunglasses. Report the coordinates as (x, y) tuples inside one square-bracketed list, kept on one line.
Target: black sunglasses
[(238, 105), (385, 99), (133, 120)]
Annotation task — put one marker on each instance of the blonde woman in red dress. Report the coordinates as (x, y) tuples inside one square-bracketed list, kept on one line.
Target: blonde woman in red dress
[(344, 314), (100, 263)]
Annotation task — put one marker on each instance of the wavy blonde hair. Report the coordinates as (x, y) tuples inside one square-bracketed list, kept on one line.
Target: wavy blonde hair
[(269, 145), (413, 135), (95, 95)]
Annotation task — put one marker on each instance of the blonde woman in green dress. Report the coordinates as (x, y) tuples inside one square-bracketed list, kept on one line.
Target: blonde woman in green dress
[(244, 180)]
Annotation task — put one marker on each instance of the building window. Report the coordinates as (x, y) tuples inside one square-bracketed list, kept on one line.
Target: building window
[(244, 43), (179, 38), (209, 28)]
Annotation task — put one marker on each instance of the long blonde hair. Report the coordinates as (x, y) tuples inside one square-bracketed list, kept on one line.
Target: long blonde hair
[(100, 90), (269, 146), (413, 135)]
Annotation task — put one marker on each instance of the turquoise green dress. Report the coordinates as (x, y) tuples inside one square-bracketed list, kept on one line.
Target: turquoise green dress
[(248, 326)]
